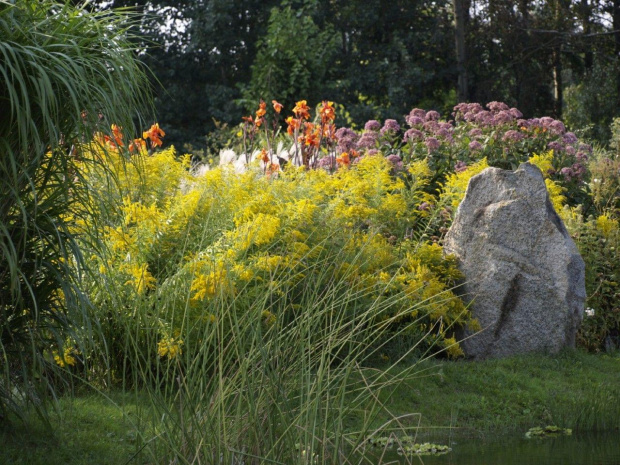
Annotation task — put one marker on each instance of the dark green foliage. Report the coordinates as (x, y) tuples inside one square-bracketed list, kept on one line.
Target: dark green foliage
[(294, 59), (216, 58)]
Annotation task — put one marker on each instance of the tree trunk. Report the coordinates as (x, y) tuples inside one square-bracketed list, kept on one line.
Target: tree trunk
[(557, 82), (616, 26), (461, 15), (586, 16)]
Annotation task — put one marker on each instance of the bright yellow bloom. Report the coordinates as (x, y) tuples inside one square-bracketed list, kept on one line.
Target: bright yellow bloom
[(141, 279), (68, 357), (606, 225), (170, 347)]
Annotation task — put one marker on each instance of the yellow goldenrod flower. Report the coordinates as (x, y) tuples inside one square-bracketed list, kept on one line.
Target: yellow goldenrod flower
[(169, 347)]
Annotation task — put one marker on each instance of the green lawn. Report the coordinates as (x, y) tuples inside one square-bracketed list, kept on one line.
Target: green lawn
[(573, 390)]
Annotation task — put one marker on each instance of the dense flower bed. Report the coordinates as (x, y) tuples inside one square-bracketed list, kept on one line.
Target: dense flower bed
[(326, 210)]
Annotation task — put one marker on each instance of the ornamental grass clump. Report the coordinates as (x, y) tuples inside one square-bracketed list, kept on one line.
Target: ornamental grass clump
[(63, 69)]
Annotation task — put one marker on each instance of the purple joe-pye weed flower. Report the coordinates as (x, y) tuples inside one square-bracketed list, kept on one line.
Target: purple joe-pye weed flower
[(372, 152), (476, 132), (462, 109), (534, 123), (474, 146), (585, 148), (424, 206), (444, 133), (579, 170), (327, 163), (345, 132), (512, 136), (347, 139), (516, 114), (570, 150), (484, 118), (556, 145), (557, 127), (470, 117), (524, 123), (460, 166), (502, 117), (569, 138), (581, 157), (496, 107), (390, 126), (431, 126), (413, 135), (368, 140), (432, 116), (396, 162), (414, 121), (372, 125), (418, 112), (432, 144)]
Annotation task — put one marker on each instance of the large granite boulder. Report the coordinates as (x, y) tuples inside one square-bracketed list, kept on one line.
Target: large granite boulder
[(525, 279)]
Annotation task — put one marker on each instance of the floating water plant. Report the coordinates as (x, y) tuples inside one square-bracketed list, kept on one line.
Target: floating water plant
[(548, 432)]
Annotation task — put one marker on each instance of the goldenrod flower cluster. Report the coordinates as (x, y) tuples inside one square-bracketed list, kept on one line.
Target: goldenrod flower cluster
[(187, 241)]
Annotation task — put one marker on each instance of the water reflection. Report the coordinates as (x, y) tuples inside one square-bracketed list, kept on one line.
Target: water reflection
[(578, 449)]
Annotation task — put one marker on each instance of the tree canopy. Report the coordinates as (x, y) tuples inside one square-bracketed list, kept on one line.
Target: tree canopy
[(216, 58)]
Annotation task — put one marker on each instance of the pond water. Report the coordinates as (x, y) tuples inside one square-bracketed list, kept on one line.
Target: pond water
[(577, 449)]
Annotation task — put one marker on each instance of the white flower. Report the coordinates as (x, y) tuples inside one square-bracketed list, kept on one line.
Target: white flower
[(589, 312), (200, 169), (227, 157), (240, 165)]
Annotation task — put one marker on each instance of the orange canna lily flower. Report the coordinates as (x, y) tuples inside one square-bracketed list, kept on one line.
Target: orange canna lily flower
[(118, 135), (137, 145), (248, 119), (302, 110), (311, 135), (264, 156), (329, 131), (154, 133), (262, 110), (343, 159), (277, 106), (102, 139), (293, 124), (327, 112)]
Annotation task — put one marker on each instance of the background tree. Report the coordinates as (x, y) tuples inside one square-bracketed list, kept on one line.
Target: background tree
[(216, 58)]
